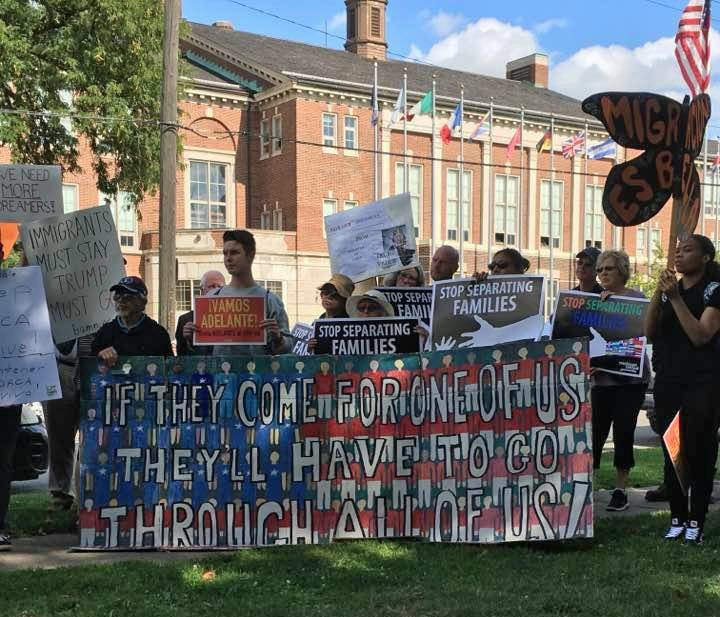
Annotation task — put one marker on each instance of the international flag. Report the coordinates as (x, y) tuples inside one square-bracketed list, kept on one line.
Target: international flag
[(545, 142), (481, 129), (513, 143), (398, 108), (449, 128), (605, 149), (374, 103), (574, 145), (423, 106), (692, 45)]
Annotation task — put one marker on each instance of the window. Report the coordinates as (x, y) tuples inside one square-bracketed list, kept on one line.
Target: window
[(374, 22), (125, 216), (453, 197), (351, 24), (275, 287), (593, 216), (277, 219), (264, 139), (349, 205), (351, 132), (551, 190), (186, 290), (329, 207), (641, 241), (276, 135), (506, 204), (70, 199), (550, 297), (655, 240), (712, 197), (208, 195), (414, 187), (329, 130)]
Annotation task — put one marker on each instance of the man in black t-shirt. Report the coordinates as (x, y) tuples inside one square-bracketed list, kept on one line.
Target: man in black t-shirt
[(585, 271), (132, 332)]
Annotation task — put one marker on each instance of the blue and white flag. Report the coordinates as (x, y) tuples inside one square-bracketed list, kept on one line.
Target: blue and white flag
[(605, 149)]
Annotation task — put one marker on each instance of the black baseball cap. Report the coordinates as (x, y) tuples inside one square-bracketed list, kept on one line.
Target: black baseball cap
[(590, 252), (132, 285)]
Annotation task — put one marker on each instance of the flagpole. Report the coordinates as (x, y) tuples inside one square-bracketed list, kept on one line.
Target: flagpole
[(491, 213), (406, 181), (461, 218), (550, 210), (585, 185), (704, 184), (432, 176), (375, 132), (714, 195), (520, 197)]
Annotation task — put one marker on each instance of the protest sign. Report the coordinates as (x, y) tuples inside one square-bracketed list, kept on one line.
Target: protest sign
[(381, 335), (28, 370), (229, 320), (501, 309), (30, 192), (616, 327), (484, 445), (80, 257), (301, 335), (372, 240), (673, 443), (410, 302)]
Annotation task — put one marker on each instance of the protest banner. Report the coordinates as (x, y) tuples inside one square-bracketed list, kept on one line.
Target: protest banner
[(483, 445), (381, 335), (673, 443), (410, 302), (372, 240), (501, 309), (30, 192), (301, 335), (229, 320), (28, 370), (616, 327), (80, 258)]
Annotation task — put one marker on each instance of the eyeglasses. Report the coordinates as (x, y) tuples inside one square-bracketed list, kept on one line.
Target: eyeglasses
[(498, 265), (369, 307), (408, 277), (602, 269), (120, 297)]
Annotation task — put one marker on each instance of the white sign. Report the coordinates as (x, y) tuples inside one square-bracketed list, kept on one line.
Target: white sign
[(30, 192), (28, 370), (80, 257), (375, 239)]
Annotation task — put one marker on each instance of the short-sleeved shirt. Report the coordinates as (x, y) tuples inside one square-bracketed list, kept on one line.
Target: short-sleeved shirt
[(677, 359), (148, 338)]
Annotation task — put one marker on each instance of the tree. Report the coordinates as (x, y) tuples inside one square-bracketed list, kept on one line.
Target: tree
[(99, 60), (647, 283)]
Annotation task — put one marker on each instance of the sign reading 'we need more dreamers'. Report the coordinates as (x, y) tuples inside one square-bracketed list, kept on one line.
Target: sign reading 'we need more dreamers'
[(481, 445)]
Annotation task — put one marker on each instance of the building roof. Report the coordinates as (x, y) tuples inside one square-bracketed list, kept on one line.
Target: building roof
[(282, 56)]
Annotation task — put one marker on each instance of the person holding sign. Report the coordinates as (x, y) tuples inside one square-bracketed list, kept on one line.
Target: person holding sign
[(209, 282), (445, 263), (683, 323), (411, 277), (505, 261), (585, 271), (372, 303), (334, 295), (616, 400), (132, 332)]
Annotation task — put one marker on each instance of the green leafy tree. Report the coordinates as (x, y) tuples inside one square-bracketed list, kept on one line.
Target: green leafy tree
[(647, 283), (94, 59)]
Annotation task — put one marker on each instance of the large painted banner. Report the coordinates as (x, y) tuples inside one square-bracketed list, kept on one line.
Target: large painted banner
[(484, 445)]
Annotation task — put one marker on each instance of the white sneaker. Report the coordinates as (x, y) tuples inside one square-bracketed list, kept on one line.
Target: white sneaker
[(676, 530)]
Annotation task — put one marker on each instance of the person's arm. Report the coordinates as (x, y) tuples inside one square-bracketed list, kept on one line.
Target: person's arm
[(652, 317), (283, 343), (699, 331)]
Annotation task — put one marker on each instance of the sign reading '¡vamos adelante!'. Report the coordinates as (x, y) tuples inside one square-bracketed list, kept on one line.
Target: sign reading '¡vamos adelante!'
[(229, 320)]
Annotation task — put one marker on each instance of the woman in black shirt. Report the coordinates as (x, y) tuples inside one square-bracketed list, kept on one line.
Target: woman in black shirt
[(683, 323)]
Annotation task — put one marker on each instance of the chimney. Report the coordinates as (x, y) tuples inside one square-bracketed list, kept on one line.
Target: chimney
[(532, 69), (223, 25), (366, 28)]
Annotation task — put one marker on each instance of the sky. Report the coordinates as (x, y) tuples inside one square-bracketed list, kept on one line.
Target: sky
[(592, 45)]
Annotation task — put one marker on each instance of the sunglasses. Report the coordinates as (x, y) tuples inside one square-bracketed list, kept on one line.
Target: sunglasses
[(369, 307), (602, 269), (409, 277), (326, 293), (498, 265), (120, 297)]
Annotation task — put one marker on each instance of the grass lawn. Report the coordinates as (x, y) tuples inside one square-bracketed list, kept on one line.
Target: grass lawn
[(648, 470), (626, 571), (32, 514)]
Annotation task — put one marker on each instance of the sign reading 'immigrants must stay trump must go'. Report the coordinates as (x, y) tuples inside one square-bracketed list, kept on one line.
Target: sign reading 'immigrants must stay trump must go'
[(482, 445)]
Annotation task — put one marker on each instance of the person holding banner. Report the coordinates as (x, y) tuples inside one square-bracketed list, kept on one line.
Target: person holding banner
[(683, 323), (411, 277), (585, 271), (209, 282), (372, 303), (615, 399), (334, 295), (508, 261)]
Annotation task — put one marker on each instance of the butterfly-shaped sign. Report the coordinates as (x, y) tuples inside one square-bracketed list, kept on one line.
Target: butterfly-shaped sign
[(671, 135)]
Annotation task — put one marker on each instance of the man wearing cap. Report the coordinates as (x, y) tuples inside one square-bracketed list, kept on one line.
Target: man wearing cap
[(132, 332), (585, 271), (209, 282), (334, 295)]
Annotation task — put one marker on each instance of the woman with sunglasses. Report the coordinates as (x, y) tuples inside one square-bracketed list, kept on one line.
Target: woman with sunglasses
[(410, 277), (615, 399), (505, 261), (683, 322), (334, 295)]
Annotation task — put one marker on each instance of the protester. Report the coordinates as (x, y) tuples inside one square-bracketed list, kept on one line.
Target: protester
[(209, 282), (616, 400), (410, 277), (239, 254), (683, 322), (132, 332), (445, 263), (585, 271), (334, 295), (508, 261), (372, 303)]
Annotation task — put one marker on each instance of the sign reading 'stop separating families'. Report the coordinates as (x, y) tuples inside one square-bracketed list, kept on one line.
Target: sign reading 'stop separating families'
[(363, 337), (30, 192), (375, 239), (410, 301), (500, 309), (28, 370), (80, 257), (301, 335)]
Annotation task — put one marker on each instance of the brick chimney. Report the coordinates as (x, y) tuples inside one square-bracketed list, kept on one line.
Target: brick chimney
[(223, 25), (532, 69), (366, 28)]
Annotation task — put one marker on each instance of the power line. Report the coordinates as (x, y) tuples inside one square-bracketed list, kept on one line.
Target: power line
[(676, 8)]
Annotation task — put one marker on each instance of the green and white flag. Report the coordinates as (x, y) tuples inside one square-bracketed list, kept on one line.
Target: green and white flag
[(423, 106)]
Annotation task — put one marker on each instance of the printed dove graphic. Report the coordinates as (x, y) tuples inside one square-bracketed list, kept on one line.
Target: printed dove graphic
[(487, 334)]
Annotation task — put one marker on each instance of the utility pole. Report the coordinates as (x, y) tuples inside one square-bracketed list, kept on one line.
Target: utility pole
[(168, 164)]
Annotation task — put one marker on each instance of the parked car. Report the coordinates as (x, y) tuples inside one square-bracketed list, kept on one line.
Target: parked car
[(31, 452)]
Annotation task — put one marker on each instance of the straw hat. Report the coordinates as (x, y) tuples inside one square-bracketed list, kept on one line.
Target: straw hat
[(373, 294)]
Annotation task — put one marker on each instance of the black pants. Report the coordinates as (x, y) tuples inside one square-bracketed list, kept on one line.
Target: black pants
[(618, 406), (9, 430), (699, 406)]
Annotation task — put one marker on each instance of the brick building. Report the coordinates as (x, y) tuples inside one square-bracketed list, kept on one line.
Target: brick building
[(279, 134)]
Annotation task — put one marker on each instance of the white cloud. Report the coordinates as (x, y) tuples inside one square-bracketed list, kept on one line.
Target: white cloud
[(337, 22), (483, 46), (443, 23), (545, 26)]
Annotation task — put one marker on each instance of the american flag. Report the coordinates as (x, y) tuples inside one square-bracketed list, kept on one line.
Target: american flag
[(692, 45), (573, 145)]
